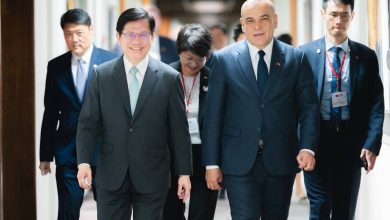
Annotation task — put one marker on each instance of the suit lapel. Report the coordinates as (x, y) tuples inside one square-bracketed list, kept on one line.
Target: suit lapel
[(202, 94), (276, 64), (319, 77), (354, 65), (68, 79), (120, 81), (244, 60), (148, 83)]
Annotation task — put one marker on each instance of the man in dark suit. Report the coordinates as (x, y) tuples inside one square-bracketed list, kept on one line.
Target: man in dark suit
[(67, 77), (250, 125), (350, 90), (136, 104)]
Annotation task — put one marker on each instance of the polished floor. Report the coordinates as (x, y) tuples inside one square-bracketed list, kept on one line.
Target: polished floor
[(299, 209)]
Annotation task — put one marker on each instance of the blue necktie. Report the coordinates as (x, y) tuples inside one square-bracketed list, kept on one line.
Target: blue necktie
[(134, 88), (262, 73), (335, 113), (80, 79)]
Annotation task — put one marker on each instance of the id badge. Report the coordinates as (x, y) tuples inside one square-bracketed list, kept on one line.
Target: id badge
[(339, 99), (193, 126)]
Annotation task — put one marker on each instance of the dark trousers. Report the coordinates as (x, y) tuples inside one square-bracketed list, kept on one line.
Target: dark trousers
[(118, 204), (70, 195), (202, 200), (333, 186), (259, 194)]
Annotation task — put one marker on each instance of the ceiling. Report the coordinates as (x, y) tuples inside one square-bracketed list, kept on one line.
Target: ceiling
[(207, 12)]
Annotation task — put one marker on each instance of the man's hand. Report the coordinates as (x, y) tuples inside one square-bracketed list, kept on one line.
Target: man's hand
[(44, 166), (184, 187), (214, 178), (84, 176), (370, 157), (306, 161)]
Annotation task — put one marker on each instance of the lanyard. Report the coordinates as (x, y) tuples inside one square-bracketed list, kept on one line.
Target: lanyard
[(337, 74), (187, 99)]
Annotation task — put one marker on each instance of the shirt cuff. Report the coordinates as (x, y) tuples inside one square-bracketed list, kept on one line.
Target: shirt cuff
[(310, 151), (212, 167), (82, 164)]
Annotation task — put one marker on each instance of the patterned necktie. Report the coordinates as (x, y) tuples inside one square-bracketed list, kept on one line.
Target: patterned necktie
[(335, 113), (262, 73), (80, 79), (134, 88)]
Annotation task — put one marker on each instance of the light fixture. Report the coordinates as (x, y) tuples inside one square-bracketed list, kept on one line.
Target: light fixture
[(207, 7)]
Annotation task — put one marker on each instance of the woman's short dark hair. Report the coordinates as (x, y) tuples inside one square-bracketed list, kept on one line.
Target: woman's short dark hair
[(194, 38), (134, 14), (75, 16)]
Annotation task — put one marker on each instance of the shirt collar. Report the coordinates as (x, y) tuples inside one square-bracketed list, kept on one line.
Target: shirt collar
[(253, 50), (86, 57), (142, 66), (343, 45)]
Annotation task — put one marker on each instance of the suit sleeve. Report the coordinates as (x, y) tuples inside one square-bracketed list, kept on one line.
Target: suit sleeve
[(373, 141), (213, 116), (308, 107), (50, 117), (89, 124), (180, 141)]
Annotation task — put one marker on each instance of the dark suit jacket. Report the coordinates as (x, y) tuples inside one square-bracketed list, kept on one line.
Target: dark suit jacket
[(366, 97), (168, 50), (236, 115), (137, 143), (204, 79), (62, 107)]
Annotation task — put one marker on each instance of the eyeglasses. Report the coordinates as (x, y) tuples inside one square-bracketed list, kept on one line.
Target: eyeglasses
[(193, 61), (133, 36), (343, 16)]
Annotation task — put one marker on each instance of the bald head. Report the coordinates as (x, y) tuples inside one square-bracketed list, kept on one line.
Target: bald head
[(252, 3)]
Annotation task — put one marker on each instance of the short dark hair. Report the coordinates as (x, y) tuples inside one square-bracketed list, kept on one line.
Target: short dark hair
[(220, 26), (237, 31), (134, 14), (344, 2), (285, 38), (75, 16), (194, 38)]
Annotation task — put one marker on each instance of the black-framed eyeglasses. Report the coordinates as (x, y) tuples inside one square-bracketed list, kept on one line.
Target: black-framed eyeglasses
[(132, 36), (343, 16)]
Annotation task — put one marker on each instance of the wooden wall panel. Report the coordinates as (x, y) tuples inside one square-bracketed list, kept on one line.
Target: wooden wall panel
[(17, 159)]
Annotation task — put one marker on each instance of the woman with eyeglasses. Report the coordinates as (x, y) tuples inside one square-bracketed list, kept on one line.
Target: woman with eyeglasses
[(194, 43)]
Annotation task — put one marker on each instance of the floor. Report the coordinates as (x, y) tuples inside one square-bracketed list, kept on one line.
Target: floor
[(299, 209)]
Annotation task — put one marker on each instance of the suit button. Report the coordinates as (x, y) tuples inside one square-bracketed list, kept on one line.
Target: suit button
[(262, 106), (130, 130)]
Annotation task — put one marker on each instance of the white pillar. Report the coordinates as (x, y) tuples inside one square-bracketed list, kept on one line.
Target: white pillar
[(317, 21), (303, 22), (49, 43)]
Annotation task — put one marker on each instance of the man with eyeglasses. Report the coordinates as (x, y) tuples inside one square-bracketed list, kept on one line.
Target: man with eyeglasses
[(259, 90), (350, 90), (136, 104), (67, 78)]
